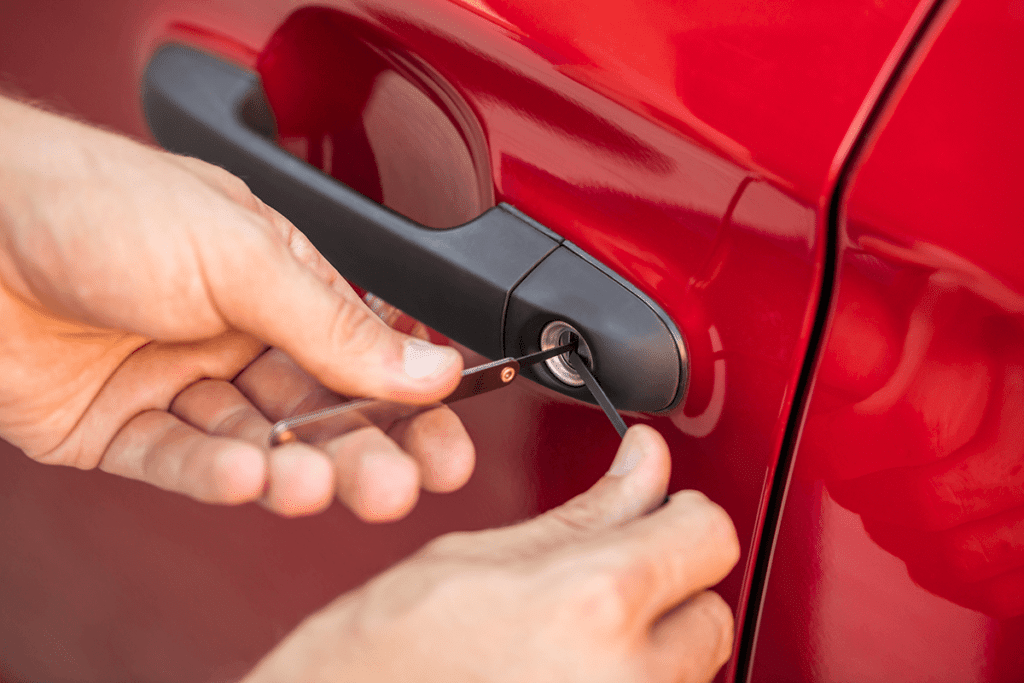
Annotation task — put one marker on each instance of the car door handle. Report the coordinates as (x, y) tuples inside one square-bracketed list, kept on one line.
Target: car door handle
[(497, 284)]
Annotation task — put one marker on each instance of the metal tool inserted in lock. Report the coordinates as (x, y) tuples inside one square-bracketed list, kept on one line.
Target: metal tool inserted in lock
[(494, 284), (559, 333), (597, 392), (475, 381)]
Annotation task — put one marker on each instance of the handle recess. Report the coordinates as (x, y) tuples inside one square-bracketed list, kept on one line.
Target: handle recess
[(490, 284)]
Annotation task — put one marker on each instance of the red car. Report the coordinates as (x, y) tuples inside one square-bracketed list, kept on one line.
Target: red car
[(790, 234)]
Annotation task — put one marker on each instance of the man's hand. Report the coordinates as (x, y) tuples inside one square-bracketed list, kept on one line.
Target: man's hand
[(596, 590), (135, 285)]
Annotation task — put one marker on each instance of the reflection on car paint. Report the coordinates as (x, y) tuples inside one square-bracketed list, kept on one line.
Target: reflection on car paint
[(704, 423), (933, 459), (631, 129), (901, 547)]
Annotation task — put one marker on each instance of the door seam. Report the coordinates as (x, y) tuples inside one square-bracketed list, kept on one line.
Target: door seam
[(899, 75)]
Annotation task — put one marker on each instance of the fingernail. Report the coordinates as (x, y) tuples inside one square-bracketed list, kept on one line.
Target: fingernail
[(629, 455), (423, 359)]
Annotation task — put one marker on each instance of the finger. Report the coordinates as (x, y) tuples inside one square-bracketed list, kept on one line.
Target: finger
[(682, 548), (635, 484), (442, 450), (217, 407), (375, 479), (333, 336), (148, 379), (438, 442), (692, 642), (220, 178), (300, 479), (158, 448), (280, 389), (300, 482)]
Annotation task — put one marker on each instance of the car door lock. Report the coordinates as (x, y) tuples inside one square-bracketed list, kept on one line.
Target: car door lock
[(502, 284)]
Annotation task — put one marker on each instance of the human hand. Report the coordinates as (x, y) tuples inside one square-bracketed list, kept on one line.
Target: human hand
[(596, 590), (137, 284)]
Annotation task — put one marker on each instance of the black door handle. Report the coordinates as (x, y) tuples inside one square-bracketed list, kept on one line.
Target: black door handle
[(494, 284)]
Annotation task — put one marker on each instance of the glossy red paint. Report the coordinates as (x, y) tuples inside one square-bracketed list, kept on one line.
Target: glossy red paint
[(901, 550), (688, 148)]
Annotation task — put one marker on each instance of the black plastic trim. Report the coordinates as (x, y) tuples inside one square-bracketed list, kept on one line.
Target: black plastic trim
[(455, 280), (488, 284), (635, 356), (680, 341)]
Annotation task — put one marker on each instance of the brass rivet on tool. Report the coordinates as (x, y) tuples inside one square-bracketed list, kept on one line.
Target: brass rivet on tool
[(507, 375), (286, 436)]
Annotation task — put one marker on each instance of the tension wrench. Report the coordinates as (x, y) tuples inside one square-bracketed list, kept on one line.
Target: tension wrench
[(475, 381)]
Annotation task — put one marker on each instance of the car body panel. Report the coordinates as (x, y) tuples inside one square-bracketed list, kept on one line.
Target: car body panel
[(900, 553), (694, 150)]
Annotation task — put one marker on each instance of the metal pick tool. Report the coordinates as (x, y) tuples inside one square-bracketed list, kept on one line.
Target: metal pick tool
[(597, 392), (475, 381)]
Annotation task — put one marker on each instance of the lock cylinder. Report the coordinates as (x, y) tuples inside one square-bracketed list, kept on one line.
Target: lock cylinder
[(627, 341), (559, 333), (502, 284)]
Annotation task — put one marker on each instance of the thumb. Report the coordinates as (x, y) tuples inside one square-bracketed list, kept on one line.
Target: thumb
[(332, 334), (635, 484)]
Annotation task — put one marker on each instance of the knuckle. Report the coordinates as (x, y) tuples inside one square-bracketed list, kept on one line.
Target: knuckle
[(202, 386), (639, 577), (715, 524), (233, 186), (716, 610), (718, 613), (691, 498), (600, 598), (718, 633), (185, 397), (723, 530), (709, 646), (356, 330)]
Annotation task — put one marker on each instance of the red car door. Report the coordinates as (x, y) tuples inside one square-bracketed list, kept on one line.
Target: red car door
[(900, 546), (702, 153)]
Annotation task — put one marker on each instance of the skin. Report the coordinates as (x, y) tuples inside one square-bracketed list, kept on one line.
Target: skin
[(604, 588), (158, 318)]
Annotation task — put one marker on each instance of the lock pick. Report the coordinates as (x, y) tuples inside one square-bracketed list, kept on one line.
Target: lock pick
[(475, 381)]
